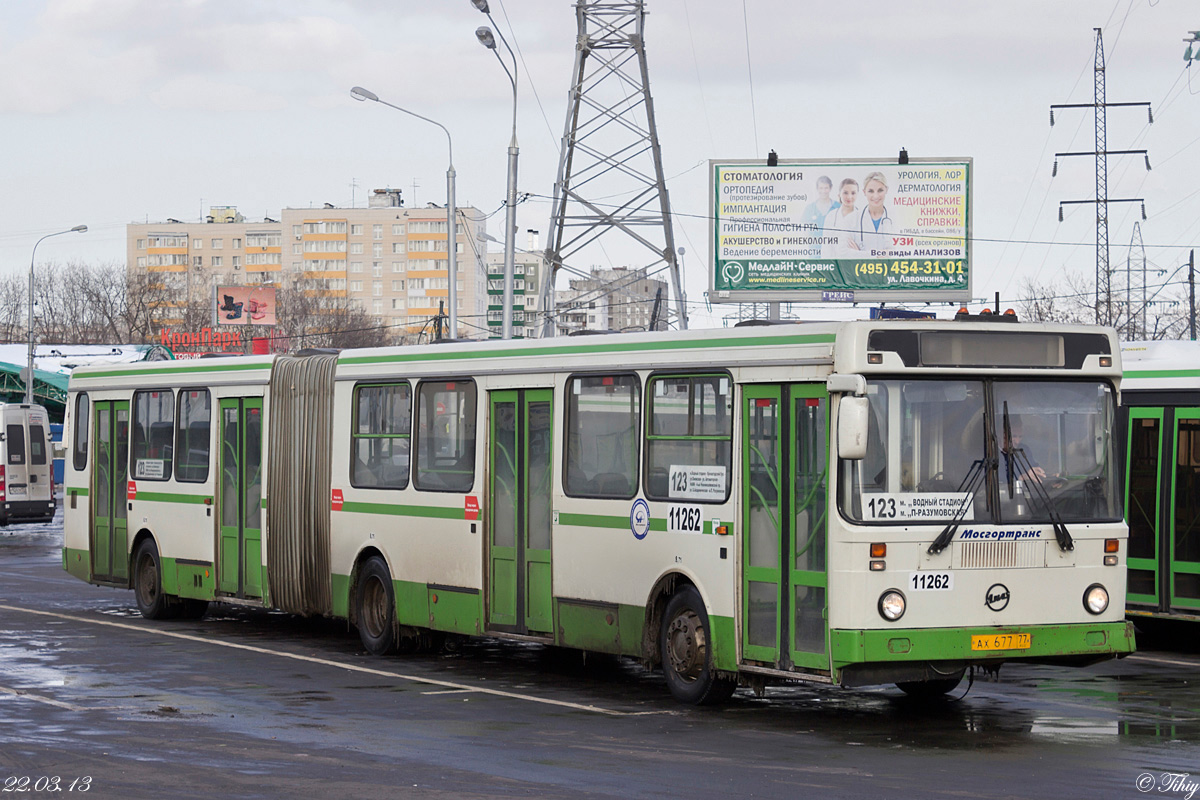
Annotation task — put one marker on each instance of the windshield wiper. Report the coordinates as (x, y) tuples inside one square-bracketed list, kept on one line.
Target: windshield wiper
[(1023, 466), (970, 484)]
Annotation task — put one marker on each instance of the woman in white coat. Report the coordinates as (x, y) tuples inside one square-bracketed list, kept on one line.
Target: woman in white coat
[(841, 224), (874, 230)]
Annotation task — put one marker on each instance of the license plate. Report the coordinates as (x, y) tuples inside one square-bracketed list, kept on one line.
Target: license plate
[(14, 490), (1002, 641)]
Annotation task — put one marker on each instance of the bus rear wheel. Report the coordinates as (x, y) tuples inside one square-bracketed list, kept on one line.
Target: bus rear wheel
[(147, 584), (375, 607), (685, 647)]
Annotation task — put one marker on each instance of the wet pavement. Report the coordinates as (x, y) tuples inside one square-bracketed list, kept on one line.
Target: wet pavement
[(246, 703)]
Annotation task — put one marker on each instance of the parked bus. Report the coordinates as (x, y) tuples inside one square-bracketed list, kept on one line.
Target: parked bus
[(826, 502), (26, 468), (1160, 408)]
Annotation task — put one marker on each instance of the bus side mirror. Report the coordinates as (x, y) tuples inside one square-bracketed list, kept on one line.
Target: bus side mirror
[(853, 415)]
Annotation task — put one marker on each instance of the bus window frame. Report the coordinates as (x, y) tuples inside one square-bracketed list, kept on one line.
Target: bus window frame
[(179, 429), (647, 420), (416, 455), (639, 385), (80, 433), (410, 470), (168, 474)]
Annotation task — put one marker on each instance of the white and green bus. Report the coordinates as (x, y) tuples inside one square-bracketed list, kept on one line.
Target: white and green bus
[(826, 502)]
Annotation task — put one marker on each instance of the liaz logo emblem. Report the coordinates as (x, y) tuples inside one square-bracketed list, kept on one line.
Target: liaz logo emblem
[(997, 597)]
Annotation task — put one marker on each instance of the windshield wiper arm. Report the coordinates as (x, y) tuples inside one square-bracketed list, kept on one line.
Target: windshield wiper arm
[(971, 483), (1025, 467)]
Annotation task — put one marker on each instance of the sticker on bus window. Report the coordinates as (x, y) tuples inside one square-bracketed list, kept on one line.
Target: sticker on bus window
[(686, 482), (149, 468), (685, 519), (916, 506)]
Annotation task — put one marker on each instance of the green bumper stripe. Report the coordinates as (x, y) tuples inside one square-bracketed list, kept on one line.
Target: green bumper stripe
[(433, 512), (954, 644), (170, 497)]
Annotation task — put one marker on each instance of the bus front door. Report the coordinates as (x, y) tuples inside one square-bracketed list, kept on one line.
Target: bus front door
[(239, 561), (110, 506), (785, 463), (1143, 496), (519, 585)]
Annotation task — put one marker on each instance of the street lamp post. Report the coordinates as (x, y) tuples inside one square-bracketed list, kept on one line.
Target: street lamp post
[(484, 34), (29, 377), (359, 93)]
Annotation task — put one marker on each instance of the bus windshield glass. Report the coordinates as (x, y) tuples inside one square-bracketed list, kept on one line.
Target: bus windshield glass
[(1002, 451)]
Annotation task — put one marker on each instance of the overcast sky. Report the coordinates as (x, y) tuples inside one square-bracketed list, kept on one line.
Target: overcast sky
[(115, 111)]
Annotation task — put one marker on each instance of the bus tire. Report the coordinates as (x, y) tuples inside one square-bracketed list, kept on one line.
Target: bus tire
[(151, 601), (375, 607), (930, 690), (684, 644)]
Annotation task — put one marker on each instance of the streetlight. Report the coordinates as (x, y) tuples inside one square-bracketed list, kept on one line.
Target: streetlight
[(485, 37), (29, 377), (361, 94)]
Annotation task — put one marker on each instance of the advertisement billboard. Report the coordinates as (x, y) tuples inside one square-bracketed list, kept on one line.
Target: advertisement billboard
[(854, 230), (244, 305)]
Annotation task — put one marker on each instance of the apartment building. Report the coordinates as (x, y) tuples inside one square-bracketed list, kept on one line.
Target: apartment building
[(527, 273), (617, 299), (390, 259)]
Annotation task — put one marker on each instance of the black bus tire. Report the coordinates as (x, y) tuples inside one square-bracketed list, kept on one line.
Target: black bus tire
[(687, 657), (375, 607), (148, 593)]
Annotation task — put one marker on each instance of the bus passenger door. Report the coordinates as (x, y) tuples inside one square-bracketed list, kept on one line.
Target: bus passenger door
[(1184, 519), (239, 561), (1143, 504), (519, 479), (110, 509), (785, 482)]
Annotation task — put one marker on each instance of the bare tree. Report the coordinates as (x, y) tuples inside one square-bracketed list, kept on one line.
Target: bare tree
[(1074, 301)]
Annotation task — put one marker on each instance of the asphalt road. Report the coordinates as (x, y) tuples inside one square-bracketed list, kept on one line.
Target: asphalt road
[(96, 700)]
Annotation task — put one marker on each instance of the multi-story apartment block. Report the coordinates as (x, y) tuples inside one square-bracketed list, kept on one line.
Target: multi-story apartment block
[(390, 259), (527, 272), (618, 299)]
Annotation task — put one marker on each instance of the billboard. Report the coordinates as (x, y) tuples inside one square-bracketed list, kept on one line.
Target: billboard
[(854, 230), (244, 305)]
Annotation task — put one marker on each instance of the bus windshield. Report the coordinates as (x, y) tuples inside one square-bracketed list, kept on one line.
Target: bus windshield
[(997, 451)]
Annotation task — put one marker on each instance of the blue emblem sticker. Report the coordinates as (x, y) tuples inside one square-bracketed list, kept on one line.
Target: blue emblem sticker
[(639, 518)]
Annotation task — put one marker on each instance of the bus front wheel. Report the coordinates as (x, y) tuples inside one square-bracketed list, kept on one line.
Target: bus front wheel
[(686, 649), (932, 689), (376, 607), (147, 584)]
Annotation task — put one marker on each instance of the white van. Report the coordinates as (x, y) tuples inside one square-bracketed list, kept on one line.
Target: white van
[(26, 470)]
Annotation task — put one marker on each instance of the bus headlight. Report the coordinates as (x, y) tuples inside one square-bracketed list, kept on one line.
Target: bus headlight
[(1095, 599), (891, 605)]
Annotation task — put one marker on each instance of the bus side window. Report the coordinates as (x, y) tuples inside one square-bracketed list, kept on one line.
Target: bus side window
[(153, 429), (603, 414), (689, 432), (379, 436), (79, 427), (445, 436), (192, 435)]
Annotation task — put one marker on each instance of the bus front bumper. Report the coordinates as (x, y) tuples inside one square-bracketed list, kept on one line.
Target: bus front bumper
[(881, 653)]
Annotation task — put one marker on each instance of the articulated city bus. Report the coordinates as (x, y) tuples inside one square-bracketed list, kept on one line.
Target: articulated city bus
[(1160, 406), (844, 503)]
